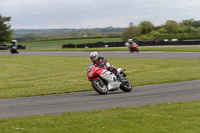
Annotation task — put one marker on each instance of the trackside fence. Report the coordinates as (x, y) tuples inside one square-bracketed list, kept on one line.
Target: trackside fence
[(140, 43)]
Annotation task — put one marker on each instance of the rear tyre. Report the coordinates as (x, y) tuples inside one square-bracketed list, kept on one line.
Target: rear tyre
[(99, 87), (126, 87)]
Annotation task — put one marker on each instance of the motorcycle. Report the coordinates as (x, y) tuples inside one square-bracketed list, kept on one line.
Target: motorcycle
[(13, 51), (13, 47), (132, 47), (104, 80)]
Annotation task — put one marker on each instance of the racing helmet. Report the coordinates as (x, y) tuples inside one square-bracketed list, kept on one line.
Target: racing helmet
[(130, 40), (94, 56)]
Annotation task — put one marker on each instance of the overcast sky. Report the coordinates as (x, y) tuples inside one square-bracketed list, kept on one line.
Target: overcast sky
[(33, 14)]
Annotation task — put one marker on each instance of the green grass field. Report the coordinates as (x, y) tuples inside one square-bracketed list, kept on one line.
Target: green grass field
[(57, 44), (161, 118), (40, 75), (171, 49), (29, 76)]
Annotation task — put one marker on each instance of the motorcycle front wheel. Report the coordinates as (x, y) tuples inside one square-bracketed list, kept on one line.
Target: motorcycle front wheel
[(99, 87), (127, 86)]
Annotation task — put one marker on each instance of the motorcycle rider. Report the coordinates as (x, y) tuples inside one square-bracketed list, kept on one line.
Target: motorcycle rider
[(101, 61), (13, 47), (132, 45)]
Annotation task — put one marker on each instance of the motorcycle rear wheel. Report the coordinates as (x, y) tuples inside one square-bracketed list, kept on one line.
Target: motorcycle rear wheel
[(126, 87), (101, 89)]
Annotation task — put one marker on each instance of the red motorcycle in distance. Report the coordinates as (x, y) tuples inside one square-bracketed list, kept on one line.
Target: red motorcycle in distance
[(133, 47), (104, 80)]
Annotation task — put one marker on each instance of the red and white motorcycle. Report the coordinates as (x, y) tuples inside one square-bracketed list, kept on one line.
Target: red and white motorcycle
[(104, 80), (132, 47)]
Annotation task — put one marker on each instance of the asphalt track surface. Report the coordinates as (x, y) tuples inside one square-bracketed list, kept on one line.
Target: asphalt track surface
[(86, 101)]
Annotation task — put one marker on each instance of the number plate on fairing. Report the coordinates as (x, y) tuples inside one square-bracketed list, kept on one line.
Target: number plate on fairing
[(108, 76)]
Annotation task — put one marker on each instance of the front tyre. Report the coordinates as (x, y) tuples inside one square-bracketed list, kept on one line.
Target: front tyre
[(99, 87), (127, 86)]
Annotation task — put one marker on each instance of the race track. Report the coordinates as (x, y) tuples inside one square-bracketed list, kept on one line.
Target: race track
[(85, 101), (126, 54)]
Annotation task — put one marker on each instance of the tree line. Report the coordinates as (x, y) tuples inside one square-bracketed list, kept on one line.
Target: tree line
[(185, 30), (47, 34), (145, 30)]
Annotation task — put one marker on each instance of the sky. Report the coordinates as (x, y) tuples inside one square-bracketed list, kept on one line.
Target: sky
[(48, 14)]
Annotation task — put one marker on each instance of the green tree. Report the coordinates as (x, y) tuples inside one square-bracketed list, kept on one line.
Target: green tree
[(191, 22), (171, 26), (5, 31), (188, 22), (145, 27), (162, 30), (129, 32)]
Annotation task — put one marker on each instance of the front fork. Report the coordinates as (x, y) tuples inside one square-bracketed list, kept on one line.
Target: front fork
[(100, 81)]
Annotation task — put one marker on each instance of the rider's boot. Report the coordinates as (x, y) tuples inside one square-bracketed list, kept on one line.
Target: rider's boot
[(118, 75)]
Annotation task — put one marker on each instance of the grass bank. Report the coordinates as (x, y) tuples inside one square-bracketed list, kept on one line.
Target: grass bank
[(40, 75), (171, 49), (160, 118), (57, 44)]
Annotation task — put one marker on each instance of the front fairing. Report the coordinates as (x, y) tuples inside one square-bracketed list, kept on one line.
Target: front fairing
[(111, 79), (93, 72), (90, 67)]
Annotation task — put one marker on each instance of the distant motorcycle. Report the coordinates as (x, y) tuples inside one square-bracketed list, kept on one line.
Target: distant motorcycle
[(132, 47), (13, 47), (104, 80), (13, 51)]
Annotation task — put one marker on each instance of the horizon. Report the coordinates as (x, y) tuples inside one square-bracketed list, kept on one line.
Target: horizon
[(56, 14)]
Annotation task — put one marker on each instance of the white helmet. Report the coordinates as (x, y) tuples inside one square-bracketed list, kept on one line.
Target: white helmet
[(94, 56), (130, 40)]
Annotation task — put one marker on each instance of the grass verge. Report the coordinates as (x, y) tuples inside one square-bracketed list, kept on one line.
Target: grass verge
[(160, 118), (171, 49), (40, 75), (57, 44)]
